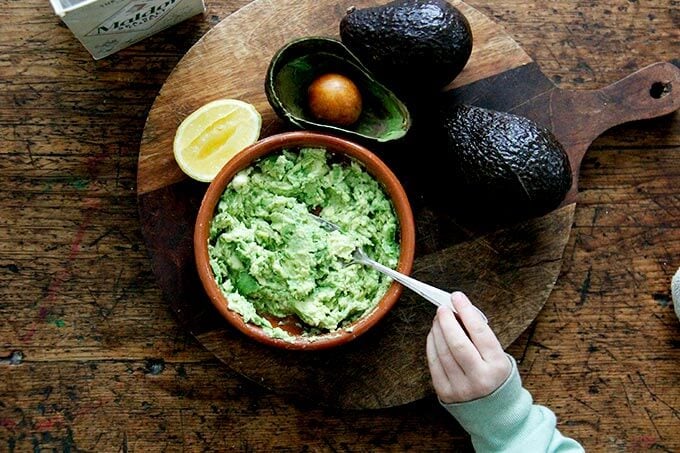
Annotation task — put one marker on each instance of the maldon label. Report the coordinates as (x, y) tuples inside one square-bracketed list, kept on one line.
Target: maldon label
[(135, 16)]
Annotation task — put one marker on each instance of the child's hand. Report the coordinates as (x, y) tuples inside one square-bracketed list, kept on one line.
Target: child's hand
[(464, 368)]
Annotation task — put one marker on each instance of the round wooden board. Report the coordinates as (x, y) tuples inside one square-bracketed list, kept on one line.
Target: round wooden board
[(509, 273)]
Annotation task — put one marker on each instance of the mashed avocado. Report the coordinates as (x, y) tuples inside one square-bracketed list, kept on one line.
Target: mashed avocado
[(269, 256)]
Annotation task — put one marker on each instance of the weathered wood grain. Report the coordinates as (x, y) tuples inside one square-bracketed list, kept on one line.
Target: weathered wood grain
[(159, 406), (610, 372), (627, 35)]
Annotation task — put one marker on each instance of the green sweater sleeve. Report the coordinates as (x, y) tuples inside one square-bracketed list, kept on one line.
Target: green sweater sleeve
[(508, 421)]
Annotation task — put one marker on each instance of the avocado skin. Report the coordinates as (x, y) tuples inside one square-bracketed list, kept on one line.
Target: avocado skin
[(410, 45), (503, 166)]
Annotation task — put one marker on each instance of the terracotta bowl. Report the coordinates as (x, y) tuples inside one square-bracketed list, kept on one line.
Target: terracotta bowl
[(274, 144)]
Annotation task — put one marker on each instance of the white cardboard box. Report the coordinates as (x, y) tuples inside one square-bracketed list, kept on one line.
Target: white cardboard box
[(107, 26)]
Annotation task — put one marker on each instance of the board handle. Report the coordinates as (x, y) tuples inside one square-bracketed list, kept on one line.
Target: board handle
[(647, 93), (650, 92)]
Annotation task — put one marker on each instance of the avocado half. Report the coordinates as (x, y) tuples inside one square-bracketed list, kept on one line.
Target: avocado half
[(297, 64)]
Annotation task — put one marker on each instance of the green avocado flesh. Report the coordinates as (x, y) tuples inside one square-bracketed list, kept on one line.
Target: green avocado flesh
[(271, 257)]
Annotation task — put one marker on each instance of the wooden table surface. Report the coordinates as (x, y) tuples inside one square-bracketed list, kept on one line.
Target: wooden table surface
[(91, 358)]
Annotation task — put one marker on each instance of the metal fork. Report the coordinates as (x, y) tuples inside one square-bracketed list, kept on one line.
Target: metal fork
[(435, 295)]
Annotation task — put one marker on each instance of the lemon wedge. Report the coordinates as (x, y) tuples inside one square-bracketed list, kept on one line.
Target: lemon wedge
[(208, 138)]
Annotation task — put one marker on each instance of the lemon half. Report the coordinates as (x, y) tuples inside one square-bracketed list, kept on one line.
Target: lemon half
[(208, 138)]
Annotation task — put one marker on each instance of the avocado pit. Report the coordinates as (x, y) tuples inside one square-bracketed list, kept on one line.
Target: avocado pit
[(335, 99)]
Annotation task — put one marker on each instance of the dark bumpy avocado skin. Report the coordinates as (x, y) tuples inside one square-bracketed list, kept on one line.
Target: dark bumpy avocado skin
[(502, 164), (410, 45)]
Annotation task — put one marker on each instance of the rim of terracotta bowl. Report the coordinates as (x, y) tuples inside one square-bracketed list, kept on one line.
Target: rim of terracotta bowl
[(273, 144)]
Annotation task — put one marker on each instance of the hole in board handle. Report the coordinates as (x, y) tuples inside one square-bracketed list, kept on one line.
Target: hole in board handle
[(660, 89)]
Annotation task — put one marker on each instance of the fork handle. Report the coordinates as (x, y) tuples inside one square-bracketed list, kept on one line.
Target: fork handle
[(435, 295)]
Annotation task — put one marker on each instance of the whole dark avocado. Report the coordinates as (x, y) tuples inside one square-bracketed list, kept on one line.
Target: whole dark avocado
[(504, 166), (410, 45)]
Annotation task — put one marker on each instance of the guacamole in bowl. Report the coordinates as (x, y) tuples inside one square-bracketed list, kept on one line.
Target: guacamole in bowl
[(271, 258), (272, 271)]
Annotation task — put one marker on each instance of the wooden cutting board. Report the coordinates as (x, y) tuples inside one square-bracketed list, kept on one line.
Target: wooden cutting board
[(509, 272)]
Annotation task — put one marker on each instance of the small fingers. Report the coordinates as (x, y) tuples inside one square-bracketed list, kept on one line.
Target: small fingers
[(440, 380), (446, 358), (479, 331), (461, 348)]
